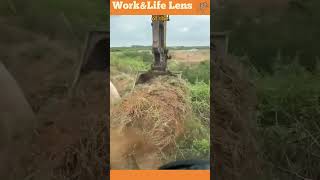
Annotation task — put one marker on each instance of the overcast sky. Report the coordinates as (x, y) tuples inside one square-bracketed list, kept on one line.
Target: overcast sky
[(181, 31)]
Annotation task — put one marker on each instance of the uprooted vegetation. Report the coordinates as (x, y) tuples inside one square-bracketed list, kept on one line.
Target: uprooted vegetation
[(194, 141), (157, 111)]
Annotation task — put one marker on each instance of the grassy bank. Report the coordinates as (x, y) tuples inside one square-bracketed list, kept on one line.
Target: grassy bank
[(288, 126)]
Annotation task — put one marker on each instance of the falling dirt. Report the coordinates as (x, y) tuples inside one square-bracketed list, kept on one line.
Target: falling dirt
[(128, 144)]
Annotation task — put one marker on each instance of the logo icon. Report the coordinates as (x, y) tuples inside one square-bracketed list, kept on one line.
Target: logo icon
[(203, 6)]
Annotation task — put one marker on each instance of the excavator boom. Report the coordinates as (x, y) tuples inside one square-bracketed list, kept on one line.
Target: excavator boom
[(159, 50)]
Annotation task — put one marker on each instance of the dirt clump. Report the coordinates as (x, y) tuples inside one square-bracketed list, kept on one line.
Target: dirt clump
[(156, 111)]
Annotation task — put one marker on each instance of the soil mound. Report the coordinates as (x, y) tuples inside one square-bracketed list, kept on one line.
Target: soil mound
[(155, 111)]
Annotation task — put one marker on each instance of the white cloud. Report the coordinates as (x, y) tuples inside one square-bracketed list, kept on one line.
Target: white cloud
[(184, 29), (128, 27)]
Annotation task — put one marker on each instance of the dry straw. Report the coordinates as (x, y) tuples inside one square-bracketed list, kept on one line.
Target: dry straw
[(156, 110)]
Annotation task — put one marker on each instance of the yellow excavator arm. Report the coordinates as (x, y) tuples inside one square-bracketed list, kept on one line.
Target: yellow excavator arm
[(159, 50)]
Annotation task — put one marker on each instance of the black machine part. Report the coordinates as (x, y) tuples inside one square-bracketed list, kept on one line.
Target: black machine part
[(187, 164)]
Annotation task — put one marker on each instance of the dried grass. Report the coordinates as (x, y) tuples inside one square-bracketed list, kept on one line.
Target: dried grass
[(86, 159), (234, 104), (156, 111)]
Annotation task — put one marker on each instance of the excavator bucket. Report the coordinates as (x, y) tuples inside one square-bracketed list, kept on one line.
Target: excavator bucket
[(219, 46), (145, 76)]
